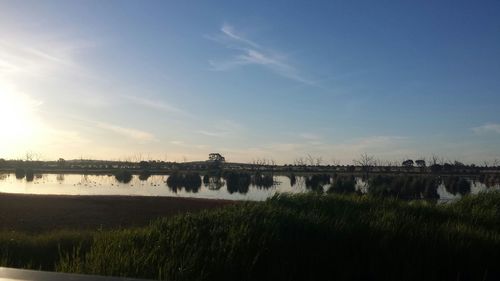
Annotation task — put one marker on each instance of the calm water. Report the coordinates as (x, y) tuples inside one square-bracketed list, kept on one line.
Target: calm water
[(72, 184)]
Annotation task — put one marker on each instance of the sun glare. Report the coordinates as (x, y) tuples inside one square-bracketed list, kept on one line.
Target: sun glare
[(18, 122)]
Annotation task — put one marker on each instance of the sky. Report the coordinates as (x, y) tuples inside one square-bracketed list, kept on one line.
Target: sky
[(275, 80)]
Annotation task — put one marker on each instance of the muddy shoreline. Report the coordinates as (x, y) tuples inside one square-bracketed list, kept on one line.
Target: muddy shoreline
[(45, 213)]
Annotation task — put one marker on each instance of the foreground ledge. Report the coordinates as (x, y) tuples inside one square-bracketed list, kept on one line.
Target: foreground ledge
[(11, 274)]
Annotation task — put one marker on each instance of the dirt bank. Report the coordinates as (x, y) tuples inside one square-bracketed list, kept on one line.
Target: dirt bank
[(39, 213)]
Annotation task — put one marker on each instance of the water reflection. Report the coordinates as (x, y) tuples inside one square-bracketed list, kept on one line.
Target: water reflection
[(60, 178), (317, 182), (237, 182), (213, 182), (20, 173), (293, 179), (457, 185), (489, 181), (30, 175), (343, 184), (144, 175), (264, 181), (247, 186), (405, 187), (123, 176), (191, 182)]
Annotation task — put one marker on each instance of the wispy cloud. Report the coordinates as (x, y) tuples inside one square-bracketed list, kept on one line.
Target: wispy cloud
[(131, 133), (310, 136), (229, 31), (487, 128), (50, 66), (252, 53), (39, 57), (223, 128), (155, 104), (218, 134)]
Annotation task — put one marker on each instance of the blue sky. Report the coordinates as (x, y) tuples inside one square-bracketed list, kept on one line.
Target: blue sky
[(175, 80)]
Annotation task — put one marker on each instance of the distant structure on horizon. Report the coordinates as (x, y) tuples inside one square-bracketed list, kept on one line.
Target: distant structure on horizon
[(216, 157)]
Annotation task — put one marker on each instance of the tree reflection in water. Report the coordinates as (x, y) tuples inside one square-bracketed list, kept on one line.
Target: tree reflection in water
[(190, 182), (317, 182), (213, 182), (293, 179), (237, 182), (457, 185), (144, 175), (263, 181), (60, 178)]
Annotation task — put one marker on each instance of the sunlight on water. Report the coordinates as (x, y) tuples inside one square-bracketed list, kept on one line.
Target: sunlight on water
[(156, 185), (74, 184)]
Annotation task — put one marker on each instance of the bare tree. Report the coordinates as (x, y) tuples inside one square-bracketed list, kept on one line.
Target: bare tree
[(335, 162), (319, 161), (314, 161), (32, 156), (435, 160), (310, 159), (390, 163), (366, 162), (29, 156), (299, 161)]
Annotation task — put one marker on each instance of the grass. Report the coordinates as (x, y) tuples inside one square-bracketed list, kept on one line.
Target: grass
[(299, 237)]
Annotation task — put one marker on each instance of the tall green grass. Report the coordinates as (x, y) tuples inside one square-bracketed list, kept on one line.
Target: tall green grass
[(299, 237)]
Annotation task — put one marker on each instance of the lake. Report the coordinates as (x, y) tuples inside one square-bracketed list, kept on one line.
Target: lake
[(156, 185)]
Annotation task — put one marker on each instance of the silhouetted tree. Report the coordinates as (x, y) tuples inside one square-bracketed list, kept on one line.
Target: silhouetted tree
[(436, 168), (408, 164), (144, 165), (420, 163), (366, 162), (447, 167)]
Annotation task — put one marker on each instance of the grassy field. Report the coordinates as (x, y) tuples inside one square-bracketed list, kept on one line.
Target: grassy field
[(300, 237)]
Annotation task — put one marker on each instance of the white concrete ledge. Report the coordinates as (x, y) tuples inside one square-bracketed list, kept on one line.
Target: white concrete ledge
[(11, 274)]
